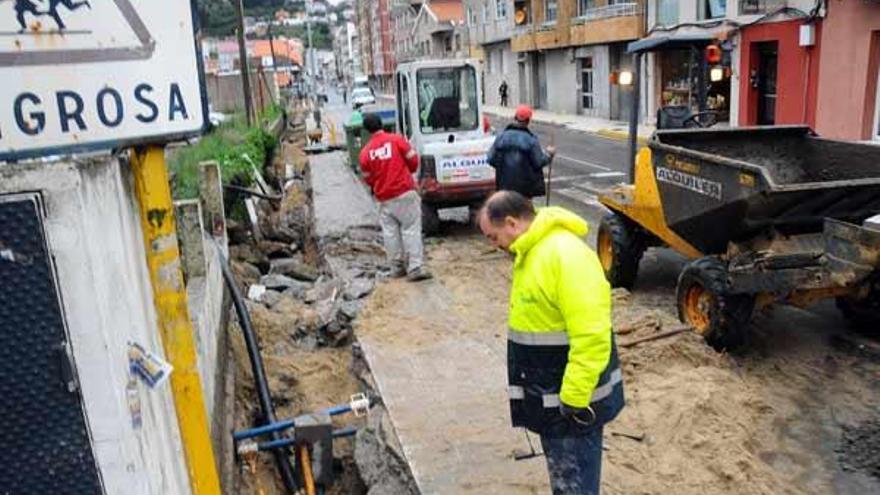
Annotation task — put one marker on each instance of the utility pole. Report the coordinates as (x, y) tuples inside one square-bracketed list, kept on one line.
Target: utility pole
[(243, 64), (310, 55), (274, 60)]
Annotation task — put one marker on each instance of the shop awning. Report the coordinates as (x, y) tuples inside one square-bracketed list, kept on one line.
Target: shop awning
[(670, 41)]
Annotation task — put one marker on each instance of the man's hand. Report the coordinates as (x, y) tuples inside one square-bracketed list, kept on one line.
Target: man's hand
[(551, 150), (583, 416)]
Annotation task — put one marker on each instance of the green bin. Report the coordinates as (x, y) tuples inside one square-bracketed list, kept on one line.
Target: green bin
[(356, 137)]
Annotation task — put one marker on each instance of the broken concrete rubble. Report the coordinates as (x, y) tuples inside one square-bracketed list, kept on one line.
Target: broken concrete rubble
[(295, 268), (280, 282)]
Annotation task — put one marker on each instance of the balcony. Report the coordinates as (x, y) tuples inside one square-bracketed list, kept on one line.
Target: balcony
[(608, 24), (754, 7), (608, 11)]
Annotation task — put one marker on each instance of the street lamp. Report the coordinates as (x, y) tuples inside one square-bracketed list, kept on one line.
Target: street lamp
[(716, 73)]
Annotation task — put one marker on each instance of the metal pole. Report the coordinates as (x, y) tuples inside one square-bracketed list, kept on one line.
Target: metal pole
[(702, 70), (634, 117), (243, 64), (274, 60), (172, 315), (310, 55)]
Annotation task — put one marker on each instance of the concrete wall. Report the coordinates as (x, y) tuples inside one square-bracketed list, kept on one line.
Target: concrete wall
[(225, 93), (492, 29), (93, 233), (562, 91), (493, 75), (848, 74)]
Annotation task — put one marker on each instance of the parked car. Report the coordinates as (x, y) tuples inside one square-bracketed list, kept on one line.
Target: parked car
[(362, 96)]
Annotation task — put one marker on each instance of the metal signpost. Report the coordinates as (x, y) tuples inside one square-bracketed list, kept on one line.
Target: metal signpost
[(83, 76)]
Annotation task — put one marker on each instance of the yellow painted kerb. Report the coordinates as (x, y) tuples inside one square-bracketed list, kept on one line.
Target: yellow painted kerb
[(175, 327)]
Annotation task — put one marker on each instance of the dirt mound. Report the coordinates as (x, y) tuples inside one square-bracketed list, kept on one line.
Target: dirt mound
[(766, 421)]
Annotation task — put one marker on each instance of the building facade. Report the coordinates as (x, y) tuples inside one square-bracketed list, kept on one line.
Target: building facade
[(848, 105), (490, 27), (768, 66), (403, 21), (346, 51), (382, 45), (439, 30), (569, 53)]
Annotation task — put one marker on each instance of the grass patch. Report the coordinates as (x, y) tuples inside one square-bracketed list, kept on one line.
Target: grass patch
[(230, 144)]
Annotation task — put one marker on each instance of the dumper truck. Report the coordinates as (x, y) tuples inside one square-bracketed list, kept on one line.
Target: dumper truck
[(767, 215)]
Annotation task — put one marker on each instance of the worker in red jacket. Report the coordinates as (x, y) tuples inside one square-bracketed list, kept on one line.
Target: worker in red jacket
[(388, 162)]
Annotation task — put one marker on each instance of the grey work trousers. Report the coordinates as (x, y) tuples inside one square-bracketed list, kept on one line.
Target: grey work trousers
[(401, 221)]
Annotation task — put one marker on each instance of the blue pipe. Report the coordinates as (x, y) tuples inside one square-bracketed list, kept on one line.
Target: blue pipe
[(283, 424), (288, 442)]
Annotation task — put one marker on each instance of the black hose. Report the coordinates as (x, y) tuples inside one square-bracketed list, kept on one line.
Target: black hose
[(250, 339)]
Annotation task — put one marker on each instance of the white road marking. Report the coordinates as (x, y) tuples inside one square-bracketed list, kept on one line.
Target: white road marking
[(581, 162), (600, 175), (580, 196), (562, 178)]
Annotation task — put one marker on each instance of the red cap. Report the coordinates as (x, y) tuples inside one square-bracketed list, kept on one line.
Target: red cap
[(523, 113)]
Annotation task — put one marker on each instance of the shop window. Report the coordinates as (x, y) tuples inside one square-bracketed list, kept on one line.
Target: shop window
[(678, 79), (587, 94), (551, 8)]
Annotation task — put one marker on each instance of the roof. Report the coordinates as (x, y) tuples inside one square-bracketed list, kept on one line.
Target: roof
[(283, 49), (446, 10)]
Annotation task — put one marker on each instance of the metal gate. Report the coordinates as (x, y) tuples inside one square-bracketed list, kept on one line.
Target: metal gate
[(44, 443)]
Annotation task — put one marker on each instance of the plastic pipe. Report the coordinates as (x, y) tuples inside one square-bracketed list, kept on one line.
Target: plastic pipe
[(250, 339)]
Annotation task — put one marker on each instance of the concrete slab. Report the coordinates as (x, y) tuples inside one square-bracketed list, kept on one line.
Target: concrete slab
[(341, 201), (440, 366)]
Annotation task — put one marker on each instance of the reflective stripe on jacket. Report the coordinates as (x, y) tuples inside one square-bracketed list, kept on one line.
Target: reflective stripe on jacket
[(560, 344)]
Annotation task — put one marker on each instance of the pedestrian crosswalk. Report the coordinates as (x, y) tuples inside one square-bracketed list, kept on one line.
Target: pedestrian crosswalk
[(583, 188)]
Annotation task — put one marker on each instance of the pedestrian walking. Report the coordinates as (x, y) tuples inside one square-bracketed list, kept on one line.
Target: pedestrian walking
[(502, 92), (518, 159), (388, 162), (564, 376)]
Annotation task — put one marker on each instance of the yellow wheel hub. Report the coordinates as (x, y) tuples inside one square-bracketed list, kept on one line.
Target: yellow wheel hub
[(606, 251), (697, 308)]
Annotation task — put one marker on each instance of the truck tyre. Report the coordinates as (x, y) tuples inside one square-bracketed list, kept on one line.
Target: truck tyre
[(706, 304), (620, 246), (863, 315), (430, 220)]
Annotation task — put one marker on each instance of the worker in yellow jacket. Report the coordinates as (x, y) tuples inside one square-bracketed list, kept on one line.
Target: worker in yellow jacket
[(564, 376)]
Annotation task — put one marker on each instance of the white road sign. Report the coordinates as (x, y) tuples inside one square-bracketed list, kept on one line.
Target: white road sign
[(78, 75)]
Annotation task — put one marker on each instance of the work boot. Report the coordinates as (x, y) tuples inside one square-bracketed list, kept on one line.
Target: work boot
[(397, 272), (419, 274)]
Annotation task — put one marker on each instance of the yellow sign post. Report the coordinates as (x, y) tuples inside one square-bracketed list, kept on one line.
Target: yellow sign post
[(172, 313)]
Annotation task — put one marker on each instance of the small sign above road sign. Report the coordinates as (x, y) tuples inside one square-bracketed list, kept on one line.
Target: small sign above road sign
[(93, 74)]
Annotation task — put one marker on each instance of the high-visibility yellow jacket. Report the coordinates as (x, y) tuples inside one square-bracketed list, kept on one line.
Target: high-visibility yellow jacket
[(560, 343)]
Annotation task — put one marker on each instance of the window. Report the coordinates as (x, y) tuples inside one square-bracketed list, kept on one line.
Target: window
[(584, 6), (667, 12), (750, 7), (489, 65), (447, 99), (403, 105), (587, 95), (485, 13), (470, 17), (713, 9), (500, 9), (551, 8)]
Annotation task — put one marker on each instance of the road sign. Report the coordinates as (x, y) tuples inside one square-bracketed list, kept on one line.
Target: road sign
[(81, 75)]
